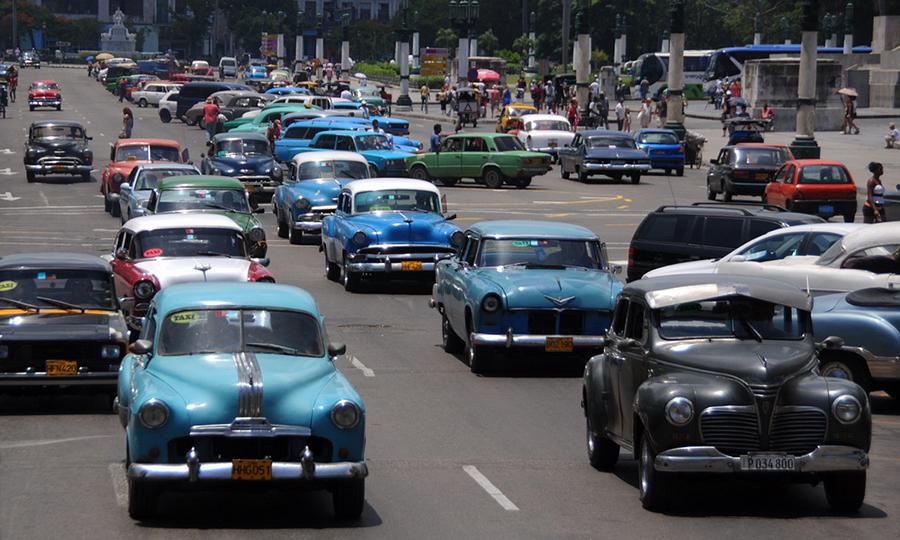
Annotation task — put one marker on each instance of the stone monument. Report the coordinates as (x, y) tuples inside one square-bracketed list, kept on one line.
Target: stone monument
[(775, 81), (118, 40)]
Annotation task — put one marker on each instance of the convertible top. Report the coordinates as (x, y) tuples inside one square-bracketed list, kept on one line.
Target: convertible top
[(665, 291), (875, 297)]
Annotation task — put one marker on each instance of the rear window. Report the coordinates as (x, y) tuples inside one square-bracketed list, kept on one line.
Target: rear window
[(759, 227), (659, 138), (665, 228), (760, 156), (823, 174)]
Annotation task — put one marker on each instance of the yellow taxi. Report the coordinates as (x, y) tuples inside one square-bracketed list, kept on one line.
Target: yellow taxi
[(511, 116)]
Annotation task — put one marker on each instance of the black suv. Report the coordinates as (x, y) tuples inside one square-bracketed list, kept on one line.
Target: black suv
[(676, 234), (58, 147)]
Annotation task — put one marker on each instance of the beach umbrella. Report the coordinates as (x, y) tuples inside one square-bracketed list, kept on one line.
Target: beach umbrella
[(488, 75)]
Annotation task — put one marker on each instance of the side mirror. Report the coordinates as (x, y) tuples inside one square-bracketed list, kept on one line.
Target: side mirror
[(88, 138), (714, 162), (141, 346), (830, 343), (616, 269), (259, 210), (451, 217), (122, 254), (738, 258), (336, 349), (125, 187), (262, 262), (112, 153)]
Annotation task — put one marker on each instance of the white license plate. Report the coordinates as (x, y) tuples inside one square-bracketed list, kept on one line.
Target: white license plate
[(826, 209), (768, 462)]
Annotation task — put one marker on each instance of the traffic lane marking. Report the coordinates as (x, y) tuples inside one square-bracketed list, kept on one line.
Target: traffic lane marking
[(45, 442), (355, 362), (490, 488), (120, 483)]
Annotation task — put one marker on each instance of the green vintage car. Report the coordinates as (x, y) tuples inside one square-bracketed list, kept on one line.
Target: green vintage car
[(207, 193), (490, 158)]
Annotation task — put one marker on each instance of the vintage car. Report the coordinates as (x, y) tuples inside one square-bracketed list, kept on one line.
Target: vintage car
[(744, 169), (151, 93), (370, 95), (58, 147), (255, 72), (511, 116), (390, 227), (390, 125), (711, 374), (663, 148), (814, 186), (211, 194), (30, 59), (311, 191), (287, 91), (44, 94), (524, 285), (154, 252), (167, 106), (60, 323), (232, 104), (302, 97), (492, 159), (300, 135), (610, 153), (258, 121), (125, 155), (136, 189), (383, 159), (544, 133), (191, 398), (247, 157)]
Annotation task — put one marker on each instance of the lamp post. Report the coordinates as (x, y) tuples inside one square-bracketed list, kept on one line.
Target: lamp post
[(664, 48), (786, 30), (848, 28), (415, 40), (827, 22), (617, 44), (531, 38), (320, 46), (403, 38), (757, 29), (675, 82), (582, 58), (345, 43), (298, 40), (463, 16), (804, 145), (15, 27)]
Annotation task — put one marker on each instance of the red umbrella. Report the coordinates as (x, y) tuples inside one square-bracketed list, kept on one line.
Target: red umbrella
[(488, 75)]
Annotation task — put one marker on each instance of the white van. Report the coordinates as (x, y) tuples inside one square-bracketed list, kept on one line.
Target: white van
[(228, 66)]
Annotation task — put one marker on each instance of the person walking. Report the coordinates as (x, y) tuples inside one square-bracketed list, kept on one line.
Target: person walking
[(662, 109), (850, 116), (626, 123), (874, 205), (13, 83), (435, 139), (893, 137), (726, 112), (645, 115), (127, 123), (507, 97), (273, 133), (210, 117), (620, 114), (603, 108), (572, 114), (425, 92), (644, 89), (594, 113), (550, 97), (121, 86)]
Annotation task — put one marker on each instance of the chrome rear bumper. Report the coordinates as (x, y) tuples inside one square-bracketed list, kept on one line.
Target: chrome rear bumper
[(509, 340)]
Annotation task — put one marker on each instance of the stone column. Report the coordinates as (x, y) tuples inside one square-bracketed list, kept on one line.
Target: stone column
[(345, 57), (279, 49), (320, 47), (473, 47), (404, 100), (298, 47), (848, 28), (531, 37), (462, 59), (804, 145), (415, 49), (675, 81), (617, 45), (757, 30), (582, 59)]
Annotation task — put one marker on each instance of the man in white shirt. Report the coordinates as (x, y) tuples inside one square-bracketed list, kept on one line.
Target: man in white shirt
[(620, 114), (595, 88), (376, 128), (893, 137), (345, 94)]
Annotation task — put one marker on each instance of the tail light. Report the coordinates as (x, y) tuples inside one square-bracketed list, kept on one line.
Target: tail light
[(630, 256), (680, 149)]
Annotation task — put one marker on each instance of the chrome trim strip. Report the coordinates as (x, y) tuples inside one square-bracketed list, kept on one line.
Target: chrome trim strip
[(250, 385), (881, 367), (249, 427), (384, 267), (533, 340), (706, 459)]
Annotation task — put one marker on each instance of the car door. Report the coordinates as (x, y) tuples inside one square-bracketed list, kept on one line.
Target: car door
[(714, 175), (613, 360), (633, 370), (453, 283), (721, 234), (330, 239), (122, 267), (819, 242), (448, 162), (566, 154), (474, 156), (775, 188)]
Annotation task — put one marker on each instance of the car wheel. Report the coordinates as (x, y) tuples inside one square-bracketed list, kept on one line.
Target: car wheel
[(844, 367), (348, 498), (165, 116), (30, 108), (522, 183), (478, 358), (845, 490), (349, 279), (29, 176), (332, 270), (602, 452), (86, 177), (107, 206), (450, 340), (710, 194), (563, 172), (449, 182), (282, 226), (635, 178), (651, 483), (142, 498), (188, 120), (582, 175), (848, 218), (295, 237), (59, 107), (142, 103), (493, 179), (726, 196), (114, 209), (679, 172), (419, 172)]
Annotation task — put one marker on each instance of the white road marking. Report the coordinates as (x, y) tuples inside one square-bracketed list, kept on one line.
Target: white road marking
[(45, 442), (59, 207), (120, 483), (362, 367), (44, 198), (102, 134), (7, 196), (490, 488), (8, 172)]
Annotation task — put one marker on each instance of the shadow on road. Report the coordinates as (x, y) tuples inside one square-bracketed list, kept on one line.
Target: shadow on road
[(60, 180), (524, 365), (53, 401), (884, 404)]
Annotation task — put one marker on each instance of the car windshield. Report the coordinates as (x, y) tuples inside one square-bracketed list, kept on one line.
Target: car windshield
[(333, 169), (397, 200), (150, 179), (146, 152), (508, 143), (547, 125), (44, 86), (735, 317), (57, 132), (823, 174), (519, 111), (659, 138), (541, 253), (188, 243), (54, 288), (760, 156), (173, 200), (238, 147), (260, 331), (610, 142), (373, 142), (774, 248)]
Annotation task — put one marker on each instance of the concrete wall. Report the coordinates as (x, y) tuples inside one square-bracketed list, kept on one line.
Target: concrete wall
[(884, 88), (885, 33), (774, 81)]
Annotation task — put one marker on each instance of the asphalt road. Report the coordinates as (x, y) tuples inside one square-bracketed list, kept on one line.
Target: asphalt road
[(451, 455)]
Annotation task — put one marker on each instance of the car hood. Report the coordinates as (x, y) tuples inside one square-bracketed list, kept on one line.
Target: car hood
[(615, 153), (257, 163), (707, 266), (55, 324), (404, 228), (172, 270), (58, 144), (771, 362), (386, 154), (319, 192), (544, 288), (44, 93)]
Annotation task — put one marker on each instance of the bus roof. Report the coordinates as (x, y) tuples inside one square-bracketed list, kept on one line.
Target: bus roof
[(786, 49)]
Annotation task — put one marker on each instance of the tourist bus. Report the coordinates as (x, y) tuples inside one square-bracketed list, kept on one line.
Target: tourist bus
[(654, 67)]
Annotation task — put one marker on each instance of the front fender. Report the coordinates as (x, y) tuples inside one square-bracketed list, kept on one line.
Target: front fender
[(142, 440), (596, 394), (353, 441), (864, 330)]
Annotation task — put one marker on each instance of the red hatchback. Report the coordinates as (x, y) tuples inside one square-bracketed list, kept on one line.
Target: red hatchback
[(814, 186)]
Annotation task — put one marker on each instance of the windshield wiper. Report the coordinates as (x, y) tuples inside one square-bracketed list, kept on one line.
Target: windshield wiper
[(19, 303), (752, 329), (535, 265), (214, 254), (60, 303), (276, 347)]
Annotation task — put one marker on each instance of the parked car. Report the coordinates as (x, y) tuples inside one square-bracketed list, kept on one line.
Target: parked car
[(491, 159), (712, 375), (308, 431), (167, 106), (228, 66), (303, 98), (371, 95), (258, 122), (58, 147), (232, 104), (391, 227), (60, 323), (125, 155), (383, 159), (610, 153), (44, 94), (151, 253), (677, 234), (300, 135), (814, 186), (545, 133), (493, 296), (511, 116), (664, 149), (211, 194), (30, 59), (197, 91), (255, 72), (152, 93), (288, 91), (247, 157), (745, 169), (311, 191), (390, 124), (135, 192)]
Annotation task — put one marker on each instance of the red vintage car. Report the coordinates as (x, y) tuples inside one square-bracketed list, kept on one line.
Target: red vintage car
[(814, 186), (44, 94), (125, 154)]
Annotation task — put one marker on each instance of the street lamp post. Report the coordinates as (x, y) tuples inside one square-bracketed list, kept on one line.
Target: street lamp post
[(320, 46), (757, 29), (345, 43), (298, 40), (15, 27), (463, 16), (415, 40), (786, 30), (848, 28), (665, 42), (531, 38), (403, 37), (583, 58), (617, 44), (804, 145), (675, 82), (827, 23)]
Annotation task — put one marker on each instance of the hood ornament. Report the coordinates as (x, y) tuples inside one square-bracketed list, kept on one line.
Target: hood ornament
[(203, 268), (559, 302)]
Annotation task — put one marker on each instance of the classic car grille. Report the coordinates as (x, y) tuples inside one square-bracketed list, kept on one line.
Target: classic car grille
[(764, 392), (731, 431), (59, 160), (797, 431), (735, 431), (24, 355), (403, 249), (549, 322), (221, 448)]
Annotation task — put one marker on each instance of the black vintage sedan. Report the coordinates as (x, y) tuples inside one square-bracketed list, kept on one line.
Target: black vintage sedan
[(603, 152), (744, 169), (717, 374), (58, 147)]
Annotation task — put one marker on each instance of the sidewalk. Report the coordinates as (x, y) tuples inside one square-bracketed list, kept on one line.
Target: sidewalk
[(709, 113)]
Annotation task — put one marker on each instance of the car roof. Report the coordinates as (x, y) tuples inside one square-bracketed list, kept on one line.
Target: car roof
[(181, 220), (487, 135), (655, 130), (664, 291), (529, 117), (166, 167), (224, 295), (57, 260), (237, 93), (378, 184), (201, 180), (144, 140), (604, 133), (346, 132), (726, 209), (330, 155), (218, 84), (235, 135), (758, 145), (808, 162), (872, 235), (43, 123), (513, 228)]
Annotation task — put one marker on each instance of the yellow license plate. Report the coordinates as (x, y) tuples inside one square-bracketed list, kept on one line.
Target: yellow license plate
[(61, 368), (410, 266), (762, 176), (59, 168), (251, 469), (553, 145), (559, 344)]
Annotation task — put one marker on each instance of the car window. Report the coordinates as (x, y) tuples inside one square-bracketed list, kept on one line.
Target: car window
[(508, 143), (735, 317), (42, 287), (471, 251), (884, 251), (325, 141), (823, 174), (782, 174), (820, 242), (665, 228), (242, 147), (451, 145), (577, 141), (723, 231), (541, 253), (634, 325), (610, 142), (474, 144), (387, 200), (175, 200), (775, 247), (759, 227), (619, 317), (658, 138), (190, 242), (344, 143)]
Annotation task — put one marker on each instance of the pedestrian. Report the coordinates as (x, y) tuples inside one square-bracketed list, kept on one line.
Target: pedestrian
[(210, 117), (726, 112), (893, 136), (387, 99), (539, 96), (273, 133), (626, 122), (550, 93), (603, 109), (850, 116), (644, 89), (346, 94), (376, 128), (662, 109), (435, 139), (594, 113), (620, 90), (735, 88), (874, 205), (507, 97), (127, 123), (442, 98), (742, 111), (495, 100), (122, 86), (572, 114), (645, 114), (425, 92), (452, 101), (620, 114), (595, 87)]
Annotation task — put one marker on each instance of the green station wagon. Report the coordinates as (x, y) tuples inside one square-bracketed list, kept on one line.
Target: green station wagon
[(491, 159)]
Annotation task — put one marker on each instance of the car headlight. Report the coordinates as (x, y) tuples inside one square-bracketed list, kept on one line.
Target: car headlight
[(88, 156), (110, 351), (490, 303), (679, 411), (4, 352), (277, 172), (153, 413), (360, 239), (144, 290), (302, 204), (345, 414), (846, 409), (216, 171), (457, 239), (256, 234)]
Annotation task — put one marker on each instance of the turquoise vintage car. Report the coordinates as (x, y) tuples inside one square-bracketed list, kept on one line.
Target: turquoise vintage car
[(525, 284), (235, 383)]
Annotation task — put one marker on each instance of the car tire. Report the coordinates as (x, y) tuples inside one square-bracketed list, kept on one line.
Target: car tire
[(617, 177), (349, 498), (29, 176), (107, 206), (635, 178), (668, 172), (114, 209), (652, 484), (295, 237), (726, 196), (86, 177), (142, 102), (848, 218), (582, 175), (449, 182), (450, 340), (710, 194), (845, 490), (332, 270), (522, 183), (282, 226), (350, 280), (602, 452), (493, 179), (679, 172), (563, 172), (165, 116), (419, 172), (142, 499), (847, 367)]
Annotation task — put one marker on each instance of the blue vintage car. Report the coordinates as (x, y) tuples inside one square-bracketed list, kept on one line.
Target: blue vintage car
[(288, 90), (311, 190), (664, 149), (376, 148), (300, 135), (255, 72), (394, 126), (392, 227), (135, 191), (525, 284), (235, 383), (868, 322), (247, 157)]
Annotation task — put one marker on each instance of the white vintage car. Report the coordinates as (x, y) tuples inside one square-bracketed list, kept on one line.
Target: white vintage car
[(168, 106), (152, 92), (834, 271), (545, 133)]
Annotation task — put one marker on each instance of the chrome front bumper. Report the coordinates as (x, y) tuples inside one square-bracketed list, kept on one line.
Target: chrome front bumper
[(387, 266), (706, 459), (51, 168), (311, 222), (44, 102), (616, 167), (385, 263), (510, 340)]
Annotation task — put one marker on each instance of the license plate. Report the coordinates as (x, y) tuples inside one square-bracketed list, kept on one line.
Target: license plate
[(553, 144), (559, 344), (410, 266), (762, 176), (59, 168), (251, 469), (61, 368), (618, 162), (767, 462), (826, 209), (249, 187)]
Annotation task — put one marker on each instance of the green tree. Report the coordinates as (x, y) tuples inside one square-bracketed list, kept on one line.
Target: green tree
[(522, 45), (446, 37), (488, 42)]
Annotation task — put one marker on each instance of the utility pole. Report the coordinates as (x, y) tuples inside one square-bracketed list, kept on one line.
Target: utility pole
[(15, 27), (566, 22)]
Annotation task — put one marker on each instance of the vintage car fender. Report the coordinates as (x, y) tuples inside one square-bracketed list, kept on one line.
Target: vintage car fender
[(595, 393), (353, 440), (862, 332), (146, 385)]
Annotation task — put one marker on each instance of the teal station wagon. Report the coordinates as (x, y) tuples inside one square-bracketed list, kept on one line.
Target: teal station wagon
[(235, 383)]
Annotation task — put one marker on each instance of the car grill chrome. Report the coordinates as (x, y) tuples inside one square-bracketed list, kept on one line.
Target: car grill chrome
[(732, 430), (222, 448), (797, 430), (735, 430), (405, 249), (761, 391), (59, 160), (544, 322), (25, 355)]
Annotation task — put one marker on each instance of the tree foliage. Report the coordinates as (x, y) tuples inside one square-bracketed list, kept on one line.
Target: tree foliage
[(488, 42)]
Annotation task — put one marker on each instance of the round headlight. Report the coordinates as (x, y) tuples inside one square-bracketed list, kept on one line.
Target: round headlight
[(345, 414), (846, 409), (256, 234), (457, 238), (144, 290), (302, 204), (491, 303), (153, 413), (277, 172), (679, 411), (118, 178), (360, 239)]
